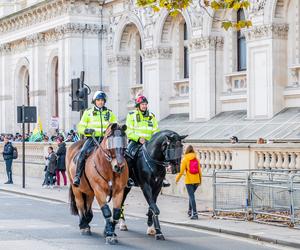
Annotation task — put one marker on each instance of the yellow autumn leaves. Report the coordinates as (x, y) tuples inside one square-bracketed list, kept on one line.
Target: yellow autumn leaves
[(175, 6)]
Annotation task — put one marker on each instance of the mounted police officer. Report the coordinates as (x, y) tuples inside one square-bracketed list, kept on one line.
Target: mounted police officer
[(141, 126), (94, 121)]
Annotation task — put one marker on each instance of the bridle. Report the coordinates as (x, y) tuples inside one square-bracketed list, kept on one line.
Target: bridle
[(165, 163)]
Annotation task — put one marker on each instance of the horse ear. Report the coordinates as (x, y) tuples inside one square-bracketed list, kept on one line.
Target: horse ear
[(124, 127), (114, 126), (183, 137)]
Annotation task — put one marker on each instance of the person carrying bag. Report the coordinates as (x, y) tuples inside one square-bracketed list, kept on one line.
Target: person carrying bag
[(190, 166)]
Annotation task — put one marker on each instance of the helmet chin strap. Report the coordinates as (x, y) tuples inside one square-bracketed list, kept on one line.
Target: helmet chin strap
[(98, 108)]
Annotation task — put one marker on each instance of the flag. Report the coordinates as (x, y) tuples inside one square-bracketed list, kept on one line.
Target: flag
[(37, 134)]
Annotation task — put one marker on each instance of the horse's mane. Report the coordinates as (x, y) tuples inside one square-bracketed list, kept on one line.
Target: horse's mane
[(162, 133)]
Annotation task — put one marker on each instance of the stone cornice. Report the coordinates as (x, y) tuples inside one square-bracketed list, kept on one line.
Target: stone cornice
[(5, 97), (118, 60), (50, 36), (37, 93), (269, 31), (205, 43), (64, 89), (47, 10), (157, 53)]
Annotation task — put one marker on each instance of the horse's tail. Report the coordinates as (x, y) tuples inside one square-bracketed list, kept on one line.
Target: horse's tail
[(73, 206)]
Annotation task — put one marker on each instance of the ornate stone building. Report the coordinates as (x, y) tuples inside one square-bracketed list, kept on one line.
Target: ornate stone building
[(187, 64)]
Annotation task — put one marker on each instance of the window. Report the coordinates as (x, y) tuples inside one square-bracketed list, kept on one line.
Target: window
[(185, 53), (141, 64), (241, 45)]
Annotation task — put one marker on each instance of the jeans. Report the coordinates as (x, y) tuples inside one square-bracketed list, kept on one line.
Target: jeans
[(8, 164), (48, 177), (63, 172), (191, 189)]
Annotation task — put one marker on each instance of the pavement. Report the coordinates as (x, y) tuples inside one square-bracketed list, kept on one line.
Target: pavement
[(173, 212)]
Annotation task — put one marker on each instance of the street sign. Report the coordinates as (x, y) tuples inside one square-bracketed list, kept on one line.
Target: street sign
[(54, 122), (29, 114)]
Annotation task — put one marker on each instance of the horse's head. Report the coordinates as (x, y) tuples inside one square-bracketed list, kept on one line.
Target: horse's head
[(115, 141), (172, 149)]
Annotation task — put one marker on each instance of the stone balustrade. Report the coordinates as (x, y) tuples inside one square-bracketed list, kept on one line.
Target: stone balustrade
[(182, 87), (277, 158), (236, 81), (213, 156), (179, 101)]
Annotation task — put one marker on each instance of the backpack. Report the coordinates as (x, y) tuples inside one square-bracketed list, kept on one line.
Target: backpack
[(15, 153), (194, 166)]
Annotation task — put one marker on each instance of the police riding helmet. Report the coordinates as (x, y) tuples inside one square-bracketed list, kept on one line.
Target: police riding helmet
[(99, 95), (139, 100)]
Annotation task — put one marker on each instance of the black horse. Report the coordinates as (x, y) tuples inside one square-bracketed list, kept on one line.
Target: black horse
[(149, 170)]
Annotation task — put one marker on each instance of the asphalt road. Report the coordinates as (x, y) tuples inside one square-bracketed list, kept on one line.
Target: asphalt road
[(28, 223)]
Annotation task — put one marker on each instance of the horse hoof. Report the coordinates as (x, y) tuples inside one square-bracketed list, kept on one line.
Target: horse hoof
[(123, 226), (85, 231), (159, 237), (111, 240), (151, 231)]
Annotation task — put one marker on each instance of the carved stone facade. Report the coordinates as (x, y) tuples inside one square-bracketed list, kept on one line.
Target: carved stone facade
[(185, 64)]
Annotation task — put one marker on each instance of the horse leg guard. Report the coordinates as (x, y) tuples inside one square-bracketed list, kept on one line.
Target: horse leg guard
[(117, 214), (109, 228), (150, 219), (122, 216), (89, 216)]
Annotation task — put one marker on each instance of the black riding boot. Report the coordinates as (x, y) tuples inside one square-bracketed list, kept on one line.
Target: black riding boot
[(79, 169)]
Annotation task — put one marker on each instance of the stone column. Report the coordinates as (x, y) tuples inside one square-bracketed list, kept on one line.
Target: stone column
[(267, 69), (158, 83), (205, 77), (119, 92), (6, 91), (38, 78)]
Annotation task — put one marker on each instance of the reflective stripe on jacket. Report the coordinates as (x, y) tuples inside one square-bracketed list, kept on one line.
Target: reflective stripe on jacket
[(140, 126), (97, 120)]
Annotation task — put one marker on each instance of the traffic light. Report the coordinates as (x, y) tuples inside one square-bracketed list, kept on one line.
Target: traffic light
[(79, 95), (82, 95)]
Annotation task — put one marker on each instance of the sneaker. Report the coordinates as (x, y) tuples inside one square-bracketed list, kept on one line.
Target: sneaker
[(44, 186), (166, 183), (194, 217), (189, 213), (8, 182)]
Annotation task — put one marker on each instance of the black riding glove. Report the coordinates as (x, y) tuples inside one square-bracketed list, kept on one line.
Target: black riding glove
[(89, 131)]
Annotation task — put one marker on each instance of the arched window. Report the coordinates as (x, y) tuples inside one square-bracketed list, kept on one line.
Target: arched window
[(241, 45), (141, 64), (185, 52), (56, 88)]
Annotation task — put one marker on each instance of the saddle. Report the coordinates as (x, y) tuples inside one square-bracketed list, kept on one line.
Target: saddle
[(88, 153), (132, 149)]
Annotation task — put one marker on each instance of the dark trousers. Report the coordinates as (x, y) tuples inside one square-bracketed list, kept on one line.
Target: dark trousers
[(191, 189), (48, 178), (8, 164)]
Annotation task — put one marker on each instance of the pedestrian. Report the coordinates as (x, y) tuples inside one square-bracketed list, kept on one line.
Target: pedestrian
[(8, 152), (51, 164), (234, 139), (61, 157), (190, 166)]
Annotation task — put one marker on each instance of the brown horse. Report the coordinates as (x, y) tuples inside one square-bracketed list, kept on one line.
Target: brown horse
[(105, 175)]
